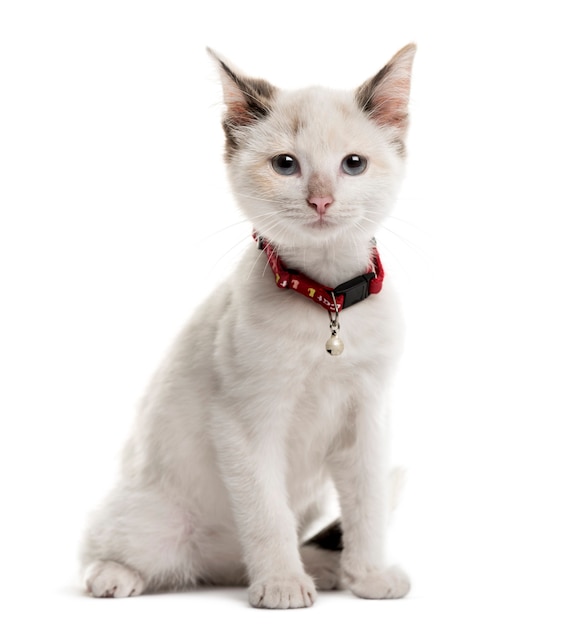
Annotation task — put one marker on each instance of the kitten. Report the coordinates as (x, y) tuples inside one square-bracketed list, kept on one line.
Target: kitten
[(255, 419)]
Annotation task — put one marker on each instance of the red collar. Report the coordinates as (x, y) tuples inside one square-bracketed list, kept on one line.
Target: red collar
[(332, 299)]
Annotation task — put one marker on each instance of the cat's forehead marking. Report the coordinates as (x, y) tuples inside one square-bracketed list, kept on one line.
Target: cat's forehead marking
[(314, 113), (308, 103), (297, 124)]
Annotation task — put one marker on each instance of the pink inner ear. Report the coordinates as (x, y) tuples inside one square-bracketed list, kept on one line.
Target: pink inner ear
[(390, 102), (390, 90), (237, 112), (236, 105)]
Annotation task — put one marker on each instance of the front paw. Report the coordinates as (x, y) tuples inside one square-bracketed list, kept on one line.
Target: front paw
[(380, 584), (283, 592)]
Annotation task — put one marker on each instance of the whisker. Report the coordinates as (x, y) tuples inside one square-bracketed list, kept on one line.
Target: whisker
[(223, 229), (261, 255), (265, 198), (408, 242), (239, 243)]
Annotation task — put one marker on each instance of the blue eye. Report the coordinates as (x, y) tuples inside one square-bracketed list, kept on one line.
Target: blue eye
[(353, 164), (285, 164)]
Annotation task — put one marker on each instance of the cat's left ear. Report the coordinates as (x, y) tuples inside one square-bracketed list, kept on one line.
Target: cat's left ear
[(385, 97)]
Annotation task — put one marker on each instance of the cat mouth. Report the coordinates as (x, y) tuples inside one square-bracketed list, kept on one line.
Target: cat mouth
[(320, 226), (321, 223)]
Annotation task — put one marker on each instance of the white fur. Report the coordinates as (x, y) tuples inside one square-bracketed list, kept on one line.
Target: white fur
[(249, 423)]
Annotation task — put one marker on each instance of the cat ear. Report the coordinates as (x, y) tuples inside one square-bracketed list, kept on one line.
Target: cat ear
[(385, 97), (246, 99)]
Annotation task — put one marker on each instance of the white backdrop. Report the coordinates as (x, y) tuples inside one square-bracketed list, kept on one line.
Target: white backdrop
[(116, 219)]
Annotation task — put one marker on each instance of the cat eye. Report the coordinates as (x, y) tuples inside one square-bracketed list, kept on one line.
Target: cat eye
[(354, 164), (285, 164)]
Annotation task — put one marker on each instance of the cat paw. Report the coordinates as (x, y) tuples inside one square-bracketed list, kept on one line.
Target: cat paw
[(108, 579), (380, 584), (283, 593), (324, 566)]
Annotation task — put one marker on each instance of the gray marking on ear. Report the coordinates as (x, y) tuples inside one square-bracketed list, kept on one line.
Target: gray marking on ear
[(247, 101)]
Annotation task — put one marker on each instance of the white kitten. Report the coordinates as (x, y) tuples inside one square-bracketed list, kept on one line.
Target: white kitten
[(250, 423)]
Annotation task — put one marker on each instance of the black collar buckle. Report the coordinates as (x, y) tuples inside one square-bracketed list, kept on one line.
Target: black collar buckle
[(354, 290)]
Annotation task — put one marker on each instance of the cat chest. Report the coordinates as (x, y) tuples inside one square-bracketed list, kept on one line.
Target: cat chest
[(282, 354), (297, 330), (272, 343)]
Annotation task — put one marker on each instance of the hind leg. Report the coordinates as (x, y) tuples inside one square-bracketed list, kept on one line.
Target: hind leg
[(140, 539), (143, 540), (321, 557), (108, 579), (323, 566)]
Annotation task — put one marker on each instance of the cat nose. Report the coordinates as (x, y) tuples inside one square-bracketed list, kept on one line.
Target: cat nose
[(320, 204)]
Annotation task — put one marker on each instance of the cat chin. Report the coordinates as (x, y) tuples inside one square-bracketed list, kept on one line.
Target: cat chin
[(319, 232), (306, 233), (330, 229), (309, 236), (322, 225), (323, 234)]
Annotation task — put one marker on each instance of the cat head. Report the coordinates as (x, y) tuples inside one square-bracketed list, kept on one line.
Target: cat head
[(316, 164)]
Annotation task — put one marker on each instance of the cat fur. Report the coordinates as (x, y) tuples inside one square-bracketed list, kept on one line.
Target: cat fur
[(249, 427)]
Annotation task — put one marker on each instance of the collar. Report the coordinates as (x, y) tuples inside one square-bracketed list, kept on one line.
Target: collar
[(333, 299)]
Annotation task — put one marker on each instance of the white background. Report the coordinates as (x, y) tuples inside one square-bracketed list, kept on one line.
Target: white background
[(116, 220)]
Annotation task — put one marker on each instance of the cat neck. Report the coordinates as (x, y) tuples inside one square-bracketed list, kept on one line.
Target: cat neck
[(329, 263)]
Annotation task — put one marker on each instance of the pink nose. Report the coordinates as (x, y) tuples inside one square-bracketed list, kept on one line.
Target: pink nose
[(320, 205)]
